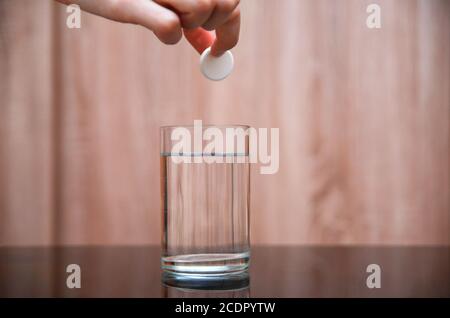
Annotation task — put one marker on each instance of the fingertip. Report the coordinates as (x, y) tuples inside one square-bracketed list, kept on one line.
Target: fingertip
[(199, 38), (220, 46), (168, 38), (168, 29), (216, 50)]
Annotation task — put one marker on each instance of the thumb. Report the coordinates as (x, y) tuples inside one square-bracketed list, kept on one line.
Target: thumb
[(199, 38)]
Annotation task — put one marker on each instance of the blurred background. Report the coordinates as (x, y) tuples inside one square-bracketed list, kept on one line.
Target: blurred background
[(363, 117)]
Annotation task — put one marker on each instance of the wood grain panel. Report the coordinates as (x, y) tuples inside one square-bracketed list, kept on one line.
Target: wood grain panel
[(363, 117), (26, 117)]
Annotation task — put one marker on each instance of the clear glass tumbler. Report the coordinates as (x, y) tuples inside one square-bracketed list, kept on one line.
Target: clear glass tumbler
[(205, 194)]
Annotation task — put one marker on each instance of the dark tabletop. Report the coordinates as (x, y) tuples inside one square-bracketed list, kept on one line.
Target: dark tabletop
[(275, 271)]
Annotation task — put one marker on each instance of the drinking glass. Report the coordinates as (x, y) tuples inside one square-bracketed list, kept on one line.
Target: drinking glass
[(205, 199)]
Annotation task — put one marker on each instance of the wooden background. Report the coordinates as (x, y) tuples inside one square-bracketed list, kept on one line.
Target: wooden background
[(363, 117)]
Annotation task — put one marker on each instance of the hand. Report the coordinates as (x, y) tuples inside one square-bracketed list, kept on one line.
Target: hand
[(168, 18)]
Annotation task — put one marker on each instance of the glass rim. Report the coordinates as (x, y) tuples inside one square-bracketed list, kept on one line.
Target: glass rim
[(220, 126)]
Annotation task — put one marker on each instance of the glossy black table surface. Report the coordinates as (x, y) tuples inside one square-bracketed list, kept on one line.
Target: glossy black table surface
[(275, 271)]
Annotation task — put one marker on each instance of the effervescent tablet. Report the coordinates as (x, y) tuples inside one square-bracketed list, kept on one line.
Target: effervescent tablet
[(216, 68)]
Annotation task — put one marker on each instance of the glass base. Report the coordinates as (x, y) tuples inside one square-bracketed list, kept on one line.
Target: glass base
[(235, 284), (211, 264)]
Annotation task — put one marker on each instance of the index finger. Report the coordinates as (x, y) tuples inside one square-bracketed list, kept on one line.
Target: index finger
[(227, 35)]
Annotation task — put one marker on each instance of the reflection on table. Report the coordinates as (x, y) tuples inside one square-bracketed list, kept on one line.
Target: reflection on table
[(275, 271)]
